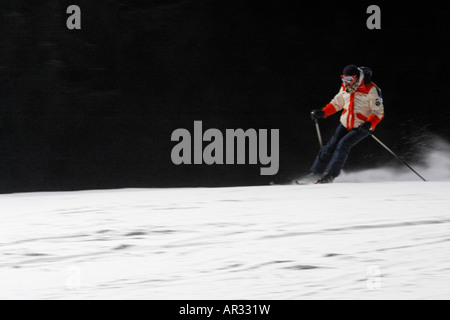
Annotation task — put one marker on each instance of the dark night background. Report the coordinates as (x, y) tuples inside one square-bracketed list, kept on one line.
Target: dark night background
[(95, 108)]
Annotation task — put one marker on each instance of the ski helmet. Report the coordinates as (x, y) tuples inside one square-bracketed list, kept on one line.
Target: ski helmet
[(350, 77), (351, 70)]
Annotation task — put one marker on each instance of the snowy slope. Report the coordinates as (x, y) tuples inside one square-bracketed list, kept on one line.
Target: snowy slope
[(346, 240)]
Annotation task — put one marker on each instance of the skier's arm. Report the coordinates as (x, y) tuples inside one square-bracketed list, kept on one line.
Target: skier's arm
[(336, 105), (376, 106)]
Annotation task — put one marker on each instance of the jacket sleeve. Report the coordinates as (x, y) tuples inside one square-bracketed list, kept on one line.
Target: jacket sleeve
[(376, 107), (336, 105)]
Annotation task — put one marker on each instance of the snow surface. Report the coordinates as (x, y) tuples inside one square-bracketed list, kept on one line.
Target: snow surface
[(349, 240), (279, 242)]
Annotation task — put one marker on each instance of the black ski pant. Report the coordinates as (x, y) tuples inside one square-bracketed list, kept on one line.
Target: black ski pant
[(334, 154)]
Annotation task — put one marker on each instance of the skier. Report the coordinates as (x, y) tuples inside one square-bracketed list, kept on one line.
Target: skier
[(363, 108)]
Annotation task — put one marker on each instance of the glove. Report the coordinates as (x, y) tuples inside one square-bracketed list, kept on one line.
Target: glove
[(365, 127), (317, 114)]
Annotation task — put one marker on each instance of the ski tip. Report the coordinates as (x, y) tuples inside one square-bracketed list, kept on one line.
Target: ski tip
[(301, 183)]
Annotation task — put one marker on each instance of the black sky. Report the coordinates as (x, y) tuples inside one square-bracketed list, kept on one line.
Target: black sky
[(95, 108)]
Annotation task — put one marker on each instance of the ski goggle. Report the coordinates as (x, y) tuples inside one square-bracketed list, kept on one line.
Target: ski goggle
[(348, 79)]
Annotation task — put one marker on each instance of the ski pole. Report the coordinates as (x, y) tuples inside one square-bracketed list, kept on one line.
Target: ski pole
[(319, 135), (398, 158)]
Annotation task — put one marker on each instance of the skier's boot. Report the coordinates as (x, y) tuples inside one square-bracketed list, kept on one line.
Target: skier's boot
[(326, 178), (308, 179)]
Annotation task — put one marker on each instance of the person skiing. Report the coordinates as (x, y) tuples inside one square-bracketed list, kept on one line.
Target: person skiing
[(362, 104)]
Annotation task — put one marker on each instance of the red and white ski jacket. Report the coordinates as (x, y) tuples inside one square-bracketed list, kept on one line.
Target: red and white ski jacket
[(365, 104)]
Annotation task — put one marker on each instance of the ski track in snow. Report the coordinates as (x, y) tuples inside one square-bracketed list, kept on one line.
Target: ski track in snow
[(386, 240)]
